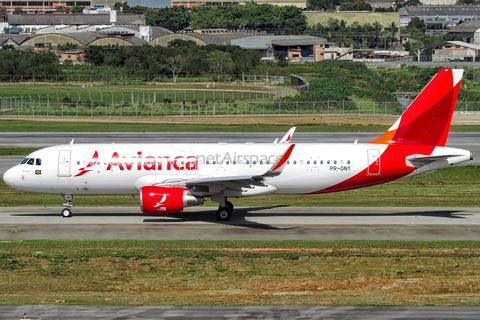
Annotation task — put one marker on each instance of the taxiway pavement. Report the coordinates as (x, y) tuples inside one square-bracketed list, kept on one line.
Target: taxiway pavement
[(247, 223), (52, 312)]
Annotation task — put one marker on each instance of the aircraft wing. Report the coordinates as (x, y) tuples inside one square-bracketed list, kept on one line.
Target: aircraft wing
[(246, 180), (219, 183)]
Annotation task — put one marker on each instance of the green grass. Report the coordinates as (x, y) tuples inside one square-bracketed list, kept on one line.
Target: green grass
[(16, 151), (20, 125), (310, 273), (15, 125), (451, 187)]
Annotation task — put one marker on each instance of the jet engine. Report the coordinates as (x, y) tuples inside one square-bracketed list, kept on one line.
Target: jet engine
[(164, 200)]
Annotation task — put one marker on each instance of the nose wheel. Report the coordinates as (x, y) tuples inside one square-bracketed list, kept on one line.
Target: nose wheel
[(67, 212)]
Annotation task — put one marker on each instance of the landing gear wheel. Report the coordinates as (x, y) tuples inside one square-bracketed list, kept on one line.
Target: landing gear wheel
[(229, 205), (66, 213), (224, 213)]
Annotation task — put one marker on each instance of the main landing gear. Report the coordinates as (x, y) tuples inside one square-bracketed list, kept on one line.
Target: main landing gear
[(225, 213), (67, 212)]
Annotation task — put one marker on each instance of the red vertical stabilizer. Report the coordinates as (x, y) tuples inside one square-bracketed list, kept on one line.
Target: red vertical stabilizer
[(427, 120)]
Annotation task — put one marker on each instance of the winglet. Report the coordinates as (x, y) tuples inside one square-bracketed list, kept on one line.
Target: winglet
[(427, 120), (278, 166), (288, 136)]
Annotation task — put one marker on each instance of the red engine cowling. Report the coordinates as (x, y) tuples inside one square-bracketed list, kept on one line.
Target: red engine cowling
[(164, 200)]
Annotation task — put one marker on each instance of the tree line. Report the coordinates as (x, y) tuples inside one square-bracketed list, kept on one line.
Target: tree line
[(251, 16), (179, 57), (19, 63)]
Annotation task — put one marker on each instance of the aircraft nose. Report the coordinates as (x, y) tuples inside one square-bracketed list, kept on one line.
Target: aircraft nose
[(10, 177)]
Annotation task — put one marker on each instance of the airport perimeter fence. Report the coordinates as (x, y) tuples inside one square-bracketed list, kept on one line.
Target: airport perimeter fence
[(106, 109), (87, 94), (247, 79), (9, 107)]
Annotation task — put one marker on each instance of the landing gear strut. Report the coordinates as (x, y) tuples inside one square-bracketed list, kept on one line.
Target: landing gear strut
[(67, 212), (225, 208)]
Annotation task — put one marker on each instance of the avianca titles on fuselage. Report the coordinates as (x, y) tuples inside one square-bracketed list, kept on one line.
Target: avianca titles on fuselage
[(170, 177)]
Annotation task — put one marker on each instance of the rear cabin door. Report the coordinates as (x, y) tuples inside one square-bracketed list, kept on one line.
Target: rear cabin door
[(373, 162), (64, 163)]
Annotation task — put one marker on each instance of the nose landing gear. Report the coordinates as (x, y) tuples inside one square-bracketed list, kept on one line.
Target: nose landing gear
[(67, 212)]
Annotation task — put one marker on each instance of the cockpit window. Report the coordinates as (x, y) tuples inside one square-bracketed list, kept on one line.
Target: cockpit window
[(31, 161), (38, 162), (24, 161)]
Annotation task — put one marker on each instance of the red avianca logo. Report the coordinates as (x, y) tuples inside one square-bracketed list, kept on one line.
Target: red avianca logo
[(140, 162)]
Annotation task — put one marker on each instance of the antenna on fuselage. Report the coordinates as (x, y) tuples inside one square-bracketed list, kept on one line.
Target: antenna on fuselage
[(71, 142)]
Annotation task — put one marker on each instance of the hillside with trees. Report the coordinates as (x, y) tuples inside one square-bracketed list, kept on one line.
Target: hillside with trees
[(337, 80)]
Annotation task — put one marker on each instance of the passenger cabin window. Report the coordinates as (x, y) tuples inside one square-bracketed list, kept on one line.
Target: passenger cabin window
[(31, 161), (38, 162)]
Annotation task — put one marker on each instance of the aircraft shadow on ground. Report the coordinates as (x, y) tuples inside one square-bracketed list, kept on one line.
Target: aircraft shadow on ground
[(240, 215)]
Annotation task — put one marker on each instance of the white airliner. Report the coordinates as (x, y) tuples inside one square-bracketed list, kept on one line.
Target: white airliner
[(170, 177)]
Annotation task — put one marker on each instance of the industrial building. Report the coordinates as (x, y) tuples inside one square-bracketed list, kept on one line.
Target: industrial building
[(469, 31), (449, 51), (439, 19), (70, 23), (50, 41), (300, 48)]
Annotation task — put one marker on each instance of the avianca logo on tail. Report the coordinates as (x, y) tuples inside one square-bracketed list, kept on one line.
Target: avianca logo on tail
[(147, 163)]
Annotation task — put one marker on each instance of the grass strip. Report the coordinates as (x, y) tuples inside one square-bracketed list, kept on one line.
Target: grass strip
[(16, 151), (86, 126), (128, 272), (19, 125), (451, 187)]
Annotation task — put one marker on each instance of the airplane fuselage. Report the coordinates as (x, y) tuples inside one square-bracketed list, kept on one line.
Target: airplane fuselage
[(122, 169)]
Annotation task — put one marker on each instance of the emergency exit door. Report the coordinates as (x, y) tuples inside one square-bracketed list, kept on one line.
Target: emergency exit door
[(373, 162), (64, 163)]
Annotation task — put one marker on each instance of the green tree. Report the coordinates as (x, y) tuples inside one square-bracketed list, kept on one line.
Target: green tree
[(323, 4), (3, 10), (356, 6), (18, 10), (95, 55), (282, 60), (60, 9), (173, 19), (67, 46), (77, 9), (418, 23), (175, 64), (220, 62), (409, 3)]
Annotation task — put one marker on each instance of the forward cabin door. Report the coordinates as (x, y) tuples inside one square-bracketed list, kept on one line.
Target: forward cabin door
[(64, 163), (373, 162)]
